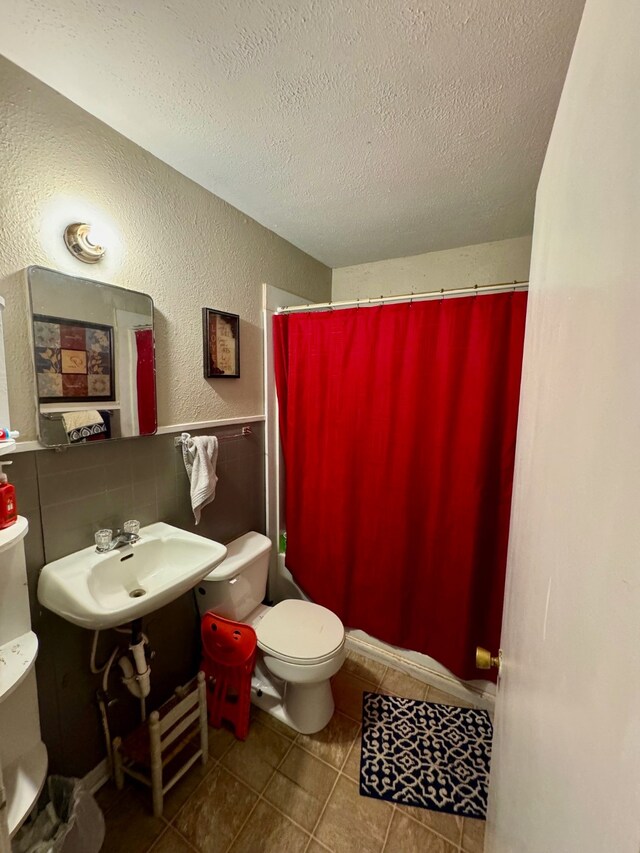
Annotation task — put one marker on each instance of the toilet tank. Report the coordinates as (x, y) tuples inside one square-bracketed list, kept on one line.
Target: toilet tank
[(238, 585)]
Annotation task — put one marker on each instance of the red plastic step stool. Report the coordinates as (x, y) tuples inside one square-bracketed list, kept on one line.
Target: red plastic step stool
[(229, 656)]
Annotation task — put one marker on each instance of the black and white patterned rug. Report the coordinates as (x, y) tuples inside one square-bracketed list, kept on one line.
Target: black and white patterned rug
[(425, 754)]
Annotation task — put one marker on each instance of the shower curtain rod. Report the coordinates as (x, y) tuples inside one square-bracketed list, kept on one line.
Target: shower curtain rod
[(409, 297)]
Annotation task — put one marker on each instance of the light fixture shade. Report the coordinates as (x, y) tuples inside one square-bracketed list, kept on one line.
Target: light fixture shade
[(77, 238)]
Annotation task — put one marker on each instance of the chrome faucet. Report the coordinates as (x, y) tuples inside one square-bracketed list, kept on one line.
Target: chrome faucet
[(106, 542)]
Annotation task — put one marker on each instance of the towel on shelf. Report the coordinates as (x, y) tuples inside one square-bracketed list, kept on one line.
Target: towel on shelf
[(81, 425), (200, 456)]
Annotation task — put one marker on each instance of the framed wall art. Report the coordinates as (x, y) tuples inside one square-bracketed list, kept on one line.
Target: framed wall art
[(74, 360), (221, 339)]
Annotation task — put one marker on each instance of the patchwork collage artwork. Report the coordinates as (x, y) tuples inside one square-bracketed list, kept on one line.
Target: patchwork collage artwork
[(74, 360)]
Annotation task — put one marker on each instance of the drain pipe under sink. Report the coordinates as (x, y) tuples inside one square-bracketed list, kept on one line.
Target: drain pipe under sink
[(137, 679)]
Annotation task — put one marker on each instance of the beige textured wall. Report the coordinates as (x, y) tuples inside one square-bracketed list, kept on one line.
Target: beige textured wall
[(485, 263), (166, 236)]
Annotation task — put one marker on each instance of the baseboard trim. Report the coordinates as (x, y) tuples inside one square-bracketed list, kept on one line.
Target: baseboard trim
[(96, 778), (447, 683)]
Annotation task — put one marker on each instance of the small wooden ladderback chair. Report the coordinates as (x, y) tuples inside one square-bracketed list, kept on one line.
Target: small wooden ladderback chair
[(173, 739)]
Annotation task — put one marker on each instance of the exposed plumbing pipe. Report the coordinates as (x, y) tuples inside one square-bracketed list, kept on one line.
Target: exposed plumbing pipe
[(142, 668), (138, 680), (107, 669), (105, 728), (96, 670)]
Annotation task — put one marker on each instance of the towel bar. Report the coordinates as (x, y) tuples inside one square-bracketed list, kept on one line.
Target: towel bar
[(246, 431)]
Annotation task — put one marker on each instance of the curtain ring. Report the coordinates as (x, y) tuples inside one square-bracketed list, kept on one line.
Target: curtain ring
[(442, 294), (411, 300), (475, 289), (358, 302)]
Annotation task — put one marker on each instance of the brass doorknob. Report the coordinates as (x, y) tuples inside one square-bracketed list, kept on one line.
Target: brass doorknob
[(485, 660)]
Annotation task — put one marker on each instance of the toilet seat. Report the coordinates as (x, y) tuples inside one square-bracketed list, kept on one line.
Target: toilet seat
[(300, 632)]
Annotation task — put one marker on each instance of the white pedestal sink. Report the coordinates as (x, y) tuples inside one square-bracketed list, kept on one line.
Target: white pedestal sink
[(99, 591)]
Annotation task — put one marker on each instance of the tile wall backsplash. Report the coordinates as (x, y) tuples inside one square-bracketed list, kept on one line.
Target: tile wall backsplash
[(66, 497)]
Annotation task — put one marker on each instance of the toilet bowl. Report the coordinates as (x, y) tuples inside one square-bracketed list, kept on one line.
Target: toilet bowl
[(301, 645)]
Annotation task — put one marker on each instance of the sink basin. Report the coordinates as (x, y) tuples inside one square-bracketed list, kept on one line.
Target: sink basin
[(105, 590)]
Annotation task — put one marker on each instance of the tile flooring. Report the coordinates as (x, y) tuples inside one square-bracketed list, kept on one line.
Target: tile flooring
[(283, 792)]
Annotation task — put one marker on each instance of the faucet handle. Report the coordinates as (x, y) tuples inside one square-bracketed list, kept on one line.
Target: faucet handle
[(132, 526), (103, 539)]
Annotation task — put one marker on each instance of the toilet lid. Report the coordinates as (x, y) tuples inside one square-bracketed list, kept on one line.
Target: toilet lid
[(300, 630)]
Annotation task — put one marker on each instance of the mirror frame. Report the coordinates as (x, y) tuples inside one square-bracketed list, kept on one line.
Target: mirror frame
[(29, 270)]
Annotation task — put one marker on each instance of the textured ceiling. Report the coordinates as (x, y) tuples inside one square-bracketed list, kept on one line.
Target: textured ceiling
[(356, 129)]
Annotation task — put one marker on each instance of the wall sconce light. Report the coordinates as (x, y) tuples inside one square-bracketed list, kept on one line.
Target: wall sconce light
[(83, 242)]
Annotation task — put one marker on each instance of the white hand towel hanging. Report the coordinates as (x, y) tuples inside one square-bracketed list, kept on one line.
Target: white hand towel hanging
[(200, 456)]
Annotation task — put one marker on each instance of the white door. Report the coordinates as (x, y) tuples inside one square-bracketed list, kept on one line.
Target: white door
[(566, 766)]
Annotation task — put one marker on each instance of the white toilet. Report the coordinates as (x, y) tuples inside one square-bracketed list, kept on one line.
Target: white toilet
[(301, 645)]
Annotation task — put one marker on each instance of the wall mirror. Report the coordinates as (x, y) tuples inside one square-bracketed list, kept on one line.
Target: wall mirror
[(93, 357)]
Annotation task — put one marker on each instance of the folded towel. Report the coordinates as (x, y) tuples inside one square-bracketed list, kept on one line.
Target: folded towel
[(200, 455), (83, 424)]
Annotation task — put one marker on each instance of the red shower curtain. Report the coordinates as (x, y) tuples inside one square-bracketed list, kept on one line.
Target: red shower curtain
[(398, 427)]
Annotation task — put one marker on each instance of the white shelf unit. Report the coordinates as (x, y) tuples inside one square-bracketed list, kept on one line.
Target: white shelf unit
[(9, 538), (23, 755), (23, 781), (17, 658)]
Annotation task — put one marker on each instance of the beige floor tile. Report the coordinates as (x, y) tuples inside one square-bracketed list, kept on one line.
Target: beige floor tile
[(352, 764), (333, 743), (219, 741), (407, 836), (400, 684), (131, 826), (170, 842), (301, 786), (272, 723), (255, 759), (316, 847), (363, 667), (448, 825), (269, 831), (435, 695), (213, 815), (347, 693), (473, 835), (353, 824)]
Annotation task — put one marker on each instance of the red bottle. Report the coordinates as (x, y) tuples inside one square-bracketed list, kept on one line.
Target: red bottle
[(8, 505)]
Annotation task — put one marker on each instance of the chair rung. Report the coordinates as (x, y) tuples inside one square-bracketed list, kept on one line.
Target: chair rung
[(179, 711), (182, 771), (179, 729), (135, 775), (176, 748)]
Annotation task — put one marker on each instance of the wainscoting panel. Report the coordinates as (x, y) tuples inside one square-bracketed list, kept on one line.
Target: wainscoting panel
[(67, 496)]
